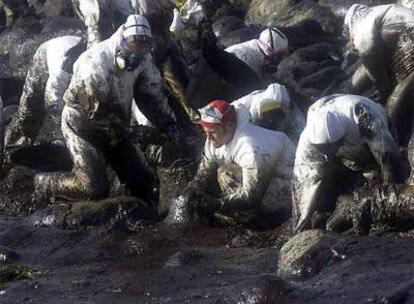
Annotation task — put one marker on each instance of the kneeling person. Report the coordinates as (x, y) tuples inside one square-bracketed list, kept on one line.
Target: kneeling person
[(252, 166), (348, 129), (44, 86), (96, 116)]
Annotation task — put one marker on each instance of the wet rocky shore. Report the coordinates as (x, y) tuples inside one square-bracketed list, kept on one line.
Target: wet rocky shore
[(119, 251), (160, 264)]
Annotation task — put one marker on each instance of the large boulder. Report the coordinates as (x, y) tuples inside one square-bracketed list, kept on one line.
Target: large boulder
[(306, 254), (292, 13), (242, 4), (57, 8), (263, 12), (309, 70), (227, 24), (376, 270), (19, 43)]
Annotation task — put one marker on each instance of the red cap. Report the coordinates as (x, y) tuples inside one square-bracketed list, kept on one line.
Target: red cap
[(217, 112)]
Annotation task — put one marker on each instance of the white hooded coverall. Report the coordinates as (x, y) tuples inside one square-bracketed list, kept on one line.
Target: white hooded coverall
[(103, 17), (254, 52), (354, 128), (383, 36), (43, 90), (94, 119), (292, 124), (265, 158), (374, 33)]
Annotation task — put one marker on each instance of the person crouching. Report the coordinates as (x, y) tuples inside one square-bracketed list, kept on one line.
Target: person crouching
[(244, 176)]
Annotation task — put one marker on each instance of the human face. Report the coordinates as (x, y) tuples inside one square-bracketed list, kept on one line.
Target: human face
[(272, 120), (131, 51), (138, 45), (219, 135)]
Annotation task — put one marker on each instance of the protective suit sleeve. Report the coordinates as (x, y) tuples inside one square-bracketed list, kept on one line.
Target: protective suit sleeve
[(308, 172), (56, 86), (89, 12), (151, 97), (374, 130), (87, 93)]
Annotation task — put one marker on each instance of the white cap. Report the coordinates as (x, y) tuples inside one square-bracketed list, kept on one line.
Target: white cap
[(324, 127), (272, 41), (136, 25), (177, 23)]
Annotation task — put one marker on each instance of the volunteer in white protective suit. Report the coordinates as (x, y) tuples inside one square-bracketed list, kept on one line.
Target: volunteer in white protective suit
[(96, 116), (262, 55), (207, 65), (185, 27), (252, 165), (350, 128), (273, 109), (45, 84), (383, 36), (187, 59), (103, 17)]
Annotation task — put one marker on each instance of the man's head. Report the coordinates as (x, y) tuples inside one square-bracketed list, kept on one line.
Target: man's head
[(272, 106), (218, 120), (274, 45), (135, 42)]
